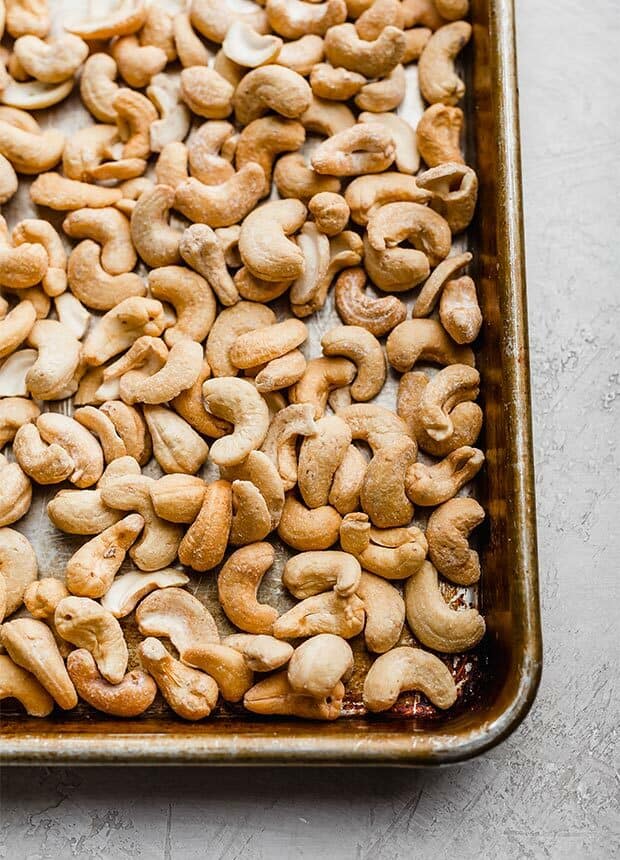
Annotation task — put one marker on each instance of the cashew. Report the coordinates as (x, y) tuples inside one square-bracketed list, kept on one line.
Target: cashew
[(51, 376), (191, 298), (262, 653), (322, 613), (27, 16), (130, 427), (454, 188), (224, 204), (227, 666), (385, 613), (330, 212), (39, 298), (238, 584), (179, 616), (431, 619), (191, 694), (41, 599), (315, 248), (432, 485), (423, 13), (118, 19), (362, 148), (30, 643), (135, 114), (438, 135), (365, 351), (385, 94), (377, 316), (214, 18), (18, 568), (16, 683), (91, 570), (68, 442), (189, 46), (366, 194), (22, 266), (176, 446), (126, 591), (274, 695), (327, 118), (438, 79), (205, 541), (153, 237), (294, 18), (97, 87), (293, 178), (206, 150), (179, 371), (273, 88), (15, 327), (373, 58), (263, 243), (337, 84), (15, 411), (383, 495), (424, 340), (190, 406), (348, 481), (264, 139), (34, 230), (320, 457), (301, 55), (279, 444), (427, 231), (394, 553), (262, 473), (202, 250), (51, 62), (307, 529), (178, 498), (8, 180), (408, 669), (431, 291), (310, 573), (108, 227), (459, 310), (416, 40), (251, 520), (244, 46), (129, 698), (319, 664), (455, 384), (138, 63), (171, 167), (58, 192), (174, 122), (30, 152), (322, 376), (206, 92), (158, 28), (265, 344), (15, 492), (35, 95), (345, 249), (407, 159), (447, 532), (121, 327), (240, 403), (281, 372)]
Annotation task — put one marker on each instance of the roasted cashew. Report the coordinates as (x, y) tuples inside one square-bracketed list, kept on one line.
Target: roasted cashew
[(363, 148), (153, 237), (22, 266), (281, 372), (244, 46), (322, 375), (431, 291), (262, 653), (293, 178), (310, 573), (263, 474), (459, 310), (17, 683), (190, 48), (273, 88), (408, 669), (394, 553), (263, 243), (15, 492), (97, 87), (301, 55), (18, 568), (432, 485), (455, 384), (385, 613), (371, 58), (366, 194), (385, 94), (192, 299), (274, 695), (319, 664), (35, 230), (365, 351), (204, 543), (174, 118), (424, 340), (209, 152), (454, 188), (51, 62), (130, 427), (26, 16), (383, 495), (15, 411), (13, 373), (264, 139), (62, 194), (320, 457), (176, 446), (191, 694), (356, 308), (51, 377), (126, 591), (280, 440), (201, 249), (206, 92), (322, 613), (327, 118), (135, 114), (177, 615), (447, 533), (229, 325), (295, 18), (190, 406), (330, 212), (179, 371), (393, 223), (227, 666), (30, 152), (238, 584), (224, 204), (67, 440), (123, 17), (91, 570), (438, 135), (15, 327), (178, 498), (129, 698), (237, 401), (263, 345), (213, 18), (307, 529), (251, 520), (337, 84), (137, 63), (438, 79), (171, 166), (348, 481)]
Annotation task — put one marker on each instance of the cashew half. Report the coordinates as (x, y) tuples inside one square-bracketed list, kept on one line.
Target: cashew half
[(438, 79), (129, 698), (310, 573), (91, 570), (176, 615), (178, 498), (126, 591), (459, 310), (408, 669)]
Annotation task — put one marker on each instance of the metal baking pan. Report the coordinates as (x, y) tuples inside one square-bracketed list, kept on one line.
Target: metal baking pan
[(498, 682)]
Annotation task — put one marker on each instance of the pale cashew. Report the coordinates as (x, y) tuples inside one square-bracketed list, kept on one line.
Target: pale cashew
[(118, 19), (367, 193), (294, 18), (244, 46), (103, 428), (15, 411), (15, 327), (281, 372), (121, 327), (138, 63), (35, 230), (177, 615), (348, 481), (377, 16), (176, 446), (262, 345), (201, 249), (51, 376), (126, 591), (407, 159), (35, 95), (308, 529), (17, 683), (264, 139), (251, 520), (273, 88), (178, 498), (30, 643), (424, 340), (448, 529), (459, 310), (408, 669), (91, 570), (191, 694), (205, 541), (189, 405), (371, 58), (431, 291), (416, 40), (432, 485), (427, 231), (345, 249), (130, 427), (110, 229), (315, 248), (362, 148), (438, 135), (15, 492), (224, 204), (274, 695), (18, 568), (293, 178), (438, 79), (455, 191), (41, 598), (327, 117), (171, 166), (26, 16), (97, 87), (260, 471), (431, 619), (213, 18), (135, 115), (320, 457), (337, 84), (310, 573), (254, 289), (206, 148), (319, 664), (51, 62), (20, 119), (238, 584), (393, 553), (180, 369), (455, 384), (30, 152), (365, 351), (39, 298), (322, 613), (129, 698), (385, 94), (189, 46), (206, 93), (8, 180), (301, 55), (158, 28), (237, 401), (262, 653), (330, 212), (280, 440), (22, 266), (227, 666), (174, 122), (356, 308), (263, 243), (385, 613), (158, 544), (58, 192), (192, 299)]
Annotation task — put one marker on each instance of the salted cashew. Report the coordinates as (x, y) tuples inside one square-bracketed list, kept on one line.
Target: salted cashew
[(174, 118), (454, 189), (15, 327), (281, 372), (383, 495), (392, 553), (15, 492), (437, 76), (213, 18), (356, 308), (129, 698), (97, 86), (367, 193), (295, 18), (335, 83), (178, 616), (58, 192), (330, 212), (385, 94), (52, 374), (30, 152), (257, 469), (17, 683), (293, 178), (263, 243), (15, 411), (126, 591), (8, 180), (180, 369), (176, 446), (229, 325), (171, 167), (326, 117), (35, 230), (35, 95), (431, 619), (323, 613), (18, 568), (361, 347), (310, 573), (30, 643), (423, 228), (130, 428), (178, 498), (154, 239), (26, 16), (381, 13), (274, 695), (238, 584), (22, 266), (135, 114), (307, 529), (432, 289), (322, 375), (191, 694), (251, 519), (91, 570), (424, 340), (206, 92), (158, 28), (13, 373), (459, 310), (319, 664), (363, 148), (204, 543), (244, 46), (237, 401), (273, 88), (119, 18), (201, 249), (447, 532), (320, 457), (407, 668), (209, 152), (71, 448), (407, 159), (255, 289), (189, 405), (438, 135), (315, 247), (280, 440), (348, 480), (189, 47), (121, 326), (263, 139), (158, 544), (224, 204), (41, 598), (265, 344), (385, 613), (225, 665), (345, 249), (51, 62), (455, 384), (192, 299), (371, 58), (301, 55), (137, 63), (262, 653), (432, 485), (416, 39)]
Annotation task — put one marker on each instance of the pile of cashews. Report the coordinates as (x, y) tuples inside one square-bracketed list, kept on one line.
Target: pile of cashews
[(193, 206)]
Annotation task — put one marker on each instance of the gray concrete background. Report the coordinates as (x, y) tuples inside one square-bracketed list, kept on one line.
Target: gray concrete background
[(551, 790)]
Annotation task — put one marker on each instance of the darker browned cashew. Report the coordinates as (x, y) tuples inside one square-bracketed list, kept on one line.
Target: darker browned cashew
[(356, 307), (238, 584), (447, 533)]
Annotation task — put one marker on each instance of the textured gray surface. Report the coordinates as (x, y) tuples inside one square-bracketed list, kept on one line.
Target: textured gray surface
[(551, 790)]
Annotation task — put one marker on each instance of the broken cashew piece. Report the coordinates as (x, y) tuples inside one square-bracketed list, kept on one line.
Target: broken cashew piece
[(205, 542), (126, 591), (433, 485), (274, 695), (17, 683), (408, 669), (363, 148), (18, 568)]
